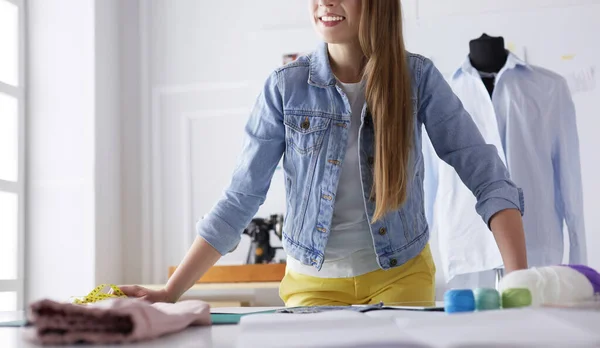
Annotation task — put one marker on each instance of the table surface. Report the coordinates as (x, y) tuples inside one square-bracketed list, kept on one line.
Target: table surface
[(220, 336), (225, 336)]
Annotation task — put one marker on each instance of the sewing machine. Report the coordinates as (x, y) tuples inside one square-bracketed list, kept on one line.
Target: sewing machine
[(259, 231)]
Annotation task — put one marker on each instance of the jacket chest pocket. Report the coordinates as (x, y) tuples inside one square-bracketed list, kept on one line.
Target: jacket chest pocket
[(305, 133)]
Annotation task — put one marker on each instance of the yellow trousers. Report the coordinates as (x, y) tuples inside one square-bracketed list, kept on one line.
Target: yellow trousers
[(413, 282)]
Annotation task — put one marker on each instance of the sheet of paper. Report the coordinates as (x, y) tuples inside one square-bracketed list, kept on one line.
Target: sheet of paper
[(14, 323), (503, 328), (268, 320), (328, 330), (404, 318), (12, 319), (241, 310)]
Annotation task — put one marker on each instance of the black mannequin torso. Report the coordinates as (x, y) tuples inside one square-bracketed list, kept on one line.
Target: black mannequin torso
[(488, 55)]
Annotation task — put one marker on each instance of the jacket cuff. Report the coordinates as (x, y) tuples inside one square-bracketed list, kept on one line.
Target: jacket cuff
[(501, 199), (219, 234)]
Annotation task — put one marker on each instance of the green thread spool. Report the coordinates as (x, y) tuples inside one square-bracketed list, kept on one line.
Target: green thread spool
[(486, 299), (516, 298)]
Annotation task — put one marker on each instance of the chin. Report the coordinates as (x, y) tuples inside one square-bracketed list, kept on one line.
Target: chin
[(331, 38)]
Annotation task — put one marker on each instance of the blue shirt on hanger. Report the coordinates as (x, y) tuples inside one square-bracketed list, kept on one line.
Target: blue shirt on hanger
[(531, 120)]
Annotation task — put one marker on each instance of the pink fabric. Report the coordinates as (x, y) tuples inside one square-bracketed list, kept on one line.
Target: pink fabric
[(118, 320)]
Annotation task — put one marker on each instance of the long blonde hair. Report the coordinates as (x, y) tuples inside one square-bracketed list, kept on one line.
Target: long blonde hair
[(388, 95)]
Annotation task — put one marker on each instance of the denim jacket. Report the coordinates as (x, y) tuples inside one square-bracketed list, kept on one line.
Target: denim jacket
[(302, 115)]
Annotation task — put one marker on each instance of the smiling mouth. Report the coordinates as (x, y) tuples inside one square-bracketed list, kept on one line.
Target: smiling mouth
[(332, 18)]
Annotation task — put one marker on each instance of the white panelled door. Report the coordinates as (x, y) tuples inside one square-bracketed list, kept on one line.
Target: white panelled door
[(198, 88)]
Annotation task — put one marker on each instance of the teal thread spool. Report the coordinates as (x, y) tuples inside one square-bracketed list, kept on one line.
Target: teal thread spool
[(459, 300), (516, 298), (486, 299)]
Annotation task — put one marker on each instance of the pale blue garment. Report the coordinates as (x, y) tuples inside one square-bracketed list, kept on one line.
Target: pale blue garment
[(532, 123), (485, 279)]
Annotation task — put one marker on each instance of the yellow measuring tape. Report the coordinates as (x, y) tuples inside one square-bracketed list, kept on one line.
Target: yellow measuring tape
[(98, 295)]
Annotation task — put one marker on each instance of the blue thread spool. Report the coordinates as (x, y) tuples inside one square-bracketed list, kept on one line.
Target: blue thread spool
[(459, 300), (486, 299)]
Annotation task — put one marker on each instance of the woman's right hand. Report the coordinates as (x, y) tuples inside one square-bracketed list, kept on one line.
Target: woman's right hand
[(149, 295), (196, 262)]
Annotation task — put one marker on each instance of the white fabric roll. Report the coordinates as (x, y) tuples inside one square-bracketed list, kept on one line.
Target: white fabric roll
[(550, 285)]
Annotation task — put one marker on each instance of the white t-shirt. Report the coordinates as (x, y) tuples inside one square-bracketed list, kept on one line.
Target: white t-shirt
[(349, 251)]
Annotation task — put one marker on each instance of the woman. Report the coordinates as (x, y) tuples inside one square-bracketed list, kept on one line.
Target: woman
[(347, 120)]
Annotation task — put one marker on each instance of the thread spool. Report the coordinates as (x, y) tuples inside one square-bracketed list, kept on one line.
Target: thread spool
[(459, 300), (486, 299), (516, 298)]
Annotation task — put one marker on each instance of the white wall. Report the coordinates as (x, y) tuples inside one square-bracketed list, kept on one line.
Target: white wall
[(60, 124), (73, 211), (131, 124), (200, 74), (108, 143)]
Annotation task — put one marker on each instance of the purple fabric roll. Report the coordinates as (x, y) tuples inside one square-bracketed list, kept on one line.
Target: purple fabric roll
[(591, 274)]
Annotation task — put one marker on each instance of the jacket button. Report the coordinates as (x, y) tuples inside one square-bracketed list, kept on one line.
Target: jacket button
[(382, 231), (306, 124), (393, 262)]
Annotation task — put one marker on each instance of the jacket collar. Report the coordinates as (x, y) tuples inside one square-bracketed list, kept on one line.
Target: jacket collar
[(512, 62), (320, 73)]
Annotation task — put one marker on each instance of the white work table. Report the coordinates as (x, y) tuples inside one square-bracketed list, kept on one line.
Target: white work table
[(218, 336), (226, 336), (205, 337)]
